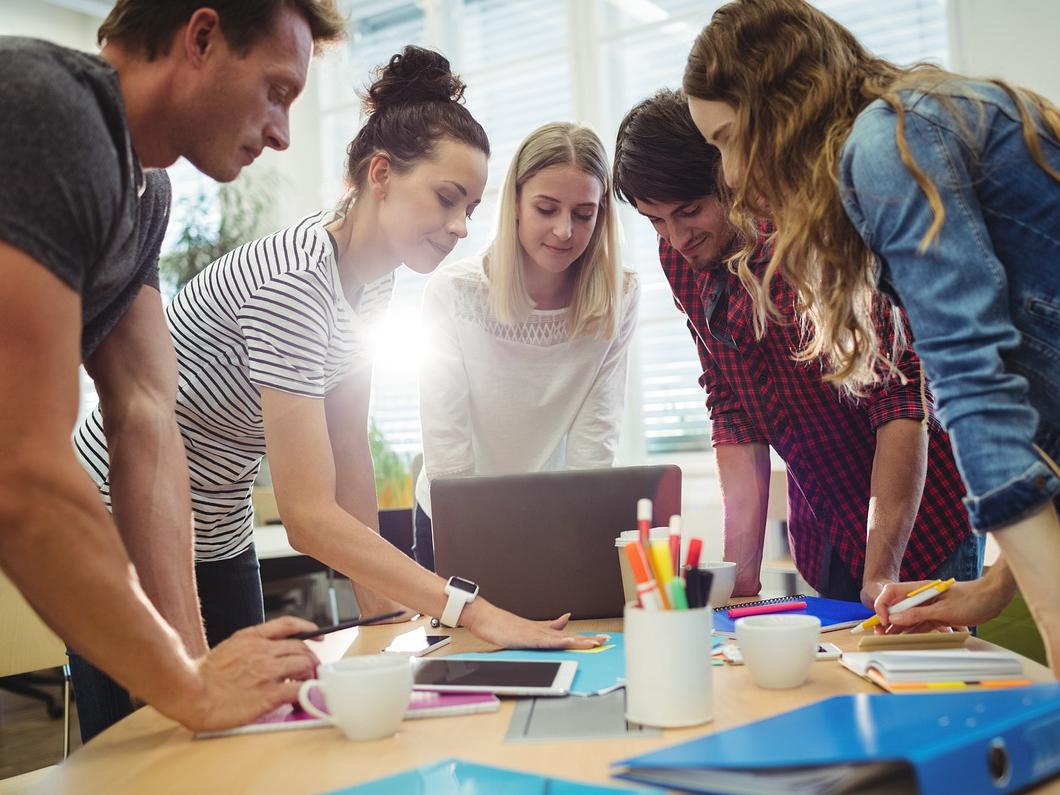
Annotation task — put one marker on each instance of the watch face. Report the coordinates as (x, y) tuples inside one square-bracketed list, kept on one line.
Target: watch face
[(463, 585)]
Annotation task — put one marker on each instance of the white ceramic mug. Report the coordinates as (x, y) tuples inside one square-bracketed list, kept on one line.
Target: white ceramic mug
[(366, 696), (668, 666), (778, 650), (724, 580)]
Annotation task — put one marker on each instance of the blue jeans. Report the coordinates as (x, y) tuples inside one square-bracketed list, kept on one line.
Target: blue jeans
[(230, 597), (983, 299), (423, 540)]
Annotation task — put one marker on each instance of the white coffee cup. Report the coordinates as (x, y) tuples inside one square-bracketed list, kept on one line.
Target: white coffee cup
[(366, 696), (724, 580), (778, 650), (668, 666), (629, 585)]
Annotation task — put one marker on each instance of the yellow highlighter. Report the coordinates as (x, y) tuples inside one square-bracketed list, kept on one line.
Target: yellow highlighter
[(660, 564), (925, 593)]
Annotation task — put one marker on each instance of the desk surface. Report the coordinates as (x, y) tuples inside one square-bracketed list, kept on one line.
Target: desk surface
[(149, 753)]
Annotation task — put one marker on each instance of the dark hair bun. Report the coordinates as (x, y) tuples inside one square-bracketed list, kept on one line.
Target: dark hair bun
[(413, 76)]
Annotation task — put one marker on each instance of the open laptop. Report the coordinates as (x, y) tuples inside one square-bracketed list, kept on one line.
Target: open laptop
[(543, 544)]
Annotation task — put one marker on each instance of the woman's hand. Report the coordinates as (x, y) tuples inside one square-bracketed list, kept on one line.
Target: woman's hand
[(962, 604), (509, 631)]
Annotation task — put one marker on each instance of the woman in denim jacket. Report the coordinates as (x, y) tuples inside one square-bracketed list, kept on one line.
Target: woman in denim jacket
[(941, 193)]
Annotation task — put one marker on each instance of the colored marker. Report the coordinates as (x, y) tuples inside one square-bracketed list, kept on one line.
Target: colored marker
[(758, 610), (677, 594), (925, 593), (675, 545), (695, 549), (647, 593), (644, 521), (659, 555)]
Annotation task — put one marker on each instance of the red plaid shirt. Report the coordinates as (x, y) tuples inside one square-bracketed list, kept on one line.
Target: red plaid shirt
[(757, 393)]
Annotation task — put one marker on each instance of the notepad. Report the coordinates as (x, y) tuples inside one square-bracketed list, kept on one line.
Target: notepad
[(425, 704), (834, 613), (913, 640), (899, 671), (421, 705)]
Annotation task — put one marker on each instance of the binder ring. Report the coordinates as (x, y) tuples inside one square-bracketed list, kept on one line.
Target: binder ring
[(998, 763)]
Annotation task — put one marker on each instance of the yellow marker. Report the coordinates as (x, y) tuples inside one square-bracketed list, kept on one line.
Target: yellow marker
[(660, 564), (917, 596)]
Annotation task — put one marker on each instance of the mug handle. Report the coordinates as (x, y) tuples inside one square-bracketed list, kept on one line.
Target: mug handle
[(309, 706)]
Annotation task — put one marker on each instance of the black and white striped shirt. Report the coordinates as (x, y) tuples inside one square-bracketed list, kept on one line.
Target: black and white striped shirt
[(272, 314)]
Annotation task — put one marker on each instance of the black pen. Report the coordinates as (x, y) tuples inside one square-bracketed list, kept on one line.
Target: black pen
[(357, 622)]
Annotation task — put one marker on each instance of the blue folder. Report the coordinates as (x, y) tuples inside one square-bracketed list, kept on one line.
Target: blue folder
[(834, 613), (969, 742), (456, 777)]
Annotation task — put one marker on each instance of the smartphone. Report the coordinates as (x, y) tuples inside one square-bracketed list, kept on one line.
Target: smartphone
[(825, 651), (416, 643)]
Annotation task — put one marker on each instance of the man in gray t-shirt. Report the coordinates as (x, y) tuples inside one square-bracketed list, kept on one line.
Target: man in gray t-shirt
[(83, 209)]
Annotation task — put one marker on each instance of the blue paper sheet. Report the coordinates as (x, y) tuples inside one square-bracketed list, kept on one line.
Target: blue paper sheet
[(456, 777), (597, 673)]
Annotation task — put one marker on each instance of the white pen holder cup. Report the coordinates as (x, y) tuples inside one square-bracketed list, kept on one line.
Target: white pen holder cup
[(366, 697), (668, 666)]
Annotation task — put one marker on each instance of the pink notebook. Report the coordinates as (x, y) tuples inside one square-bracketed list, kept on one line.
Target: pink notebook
[(421, 705), (424, 704)]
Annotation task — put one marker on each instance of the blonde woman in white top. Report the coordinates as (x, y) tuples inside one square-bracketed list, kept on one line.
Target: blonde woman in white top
[(525, 369)]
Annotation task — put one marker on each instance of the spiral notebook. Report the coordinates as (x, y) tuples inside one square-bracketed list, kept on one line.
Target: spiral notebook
[(834, 613)]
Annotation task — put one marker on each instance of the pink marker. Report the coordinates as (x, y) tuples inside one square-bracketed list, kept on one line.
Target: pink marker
[(783, 607)]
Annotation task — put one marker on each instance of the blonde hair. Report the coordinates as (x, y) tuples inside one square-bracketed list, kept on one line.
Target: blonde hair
[(797, 81), (595, 304)]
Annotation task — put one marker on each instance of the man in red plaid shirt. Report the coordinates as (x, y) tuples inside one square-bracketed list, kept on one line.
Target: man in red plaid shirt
[(873, 498)]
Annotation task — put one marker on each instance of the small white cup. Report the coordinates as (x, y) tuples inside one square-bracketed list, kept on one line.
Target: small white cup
[(668, 666), (366, 696), (778, 650), (724, 580)]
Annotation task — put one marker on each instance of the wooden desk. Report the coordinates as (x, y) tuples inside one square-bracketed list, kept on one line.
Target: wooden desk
[(146, 753)]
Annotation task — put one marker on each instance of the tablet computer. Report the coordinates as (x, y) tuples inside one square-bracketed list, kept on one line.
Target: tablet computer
[(503, 677)]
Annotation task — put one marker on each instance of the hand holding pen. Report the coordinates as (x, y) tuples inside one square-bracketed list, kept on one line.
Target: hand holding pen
[(920, 593)]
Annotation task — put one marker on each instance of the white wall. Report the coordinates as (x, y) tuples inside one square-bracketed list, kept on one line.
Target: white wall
[(1015, 40), (40, 20)]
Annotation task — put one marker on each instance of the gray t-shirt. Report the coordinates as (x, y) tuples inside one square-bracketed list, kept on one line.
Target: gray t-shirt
[(69, 180)]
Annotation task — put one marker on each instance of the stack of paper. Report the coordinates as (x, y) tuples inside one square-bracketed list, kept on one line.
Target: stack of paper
[(919, 670)]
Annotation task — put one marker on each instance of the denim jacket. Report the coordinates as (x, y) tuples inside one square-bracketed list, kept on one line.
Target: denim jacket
[(984, 300)]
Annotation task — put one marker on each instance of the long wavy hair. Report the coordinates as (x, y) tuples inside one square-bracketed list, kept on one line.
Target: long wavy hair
[(797, 81), (596, 299)]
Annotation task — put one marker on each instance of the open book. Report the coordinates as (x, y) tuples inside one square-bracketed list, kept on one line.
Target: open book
[(898, 671)]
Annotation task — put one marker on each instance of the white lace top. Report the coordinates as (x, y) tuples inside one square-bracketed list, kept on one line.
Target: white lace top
[(498, 399)]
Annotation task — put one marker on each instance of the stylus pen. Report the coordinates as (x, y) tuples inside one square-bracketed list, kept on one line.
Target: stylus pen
[(357, 622)]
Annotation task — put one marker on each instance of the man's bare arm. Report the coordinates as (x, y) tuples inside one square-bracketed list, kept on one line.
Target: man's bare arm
[(743, 471), (60, 548), (135, 372)]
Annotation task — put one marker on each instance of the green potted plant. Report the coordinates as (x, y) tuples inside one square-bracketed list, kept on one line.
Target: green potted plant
[(214, 223)]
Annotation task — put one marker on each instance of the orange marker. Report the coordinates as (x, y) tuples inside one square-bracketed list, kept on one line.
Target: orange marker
[(647, 593)]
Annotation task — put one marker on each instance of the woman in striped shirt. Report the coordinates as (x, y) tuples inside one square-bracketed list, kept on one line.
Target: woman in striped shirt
[(272, 354)]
